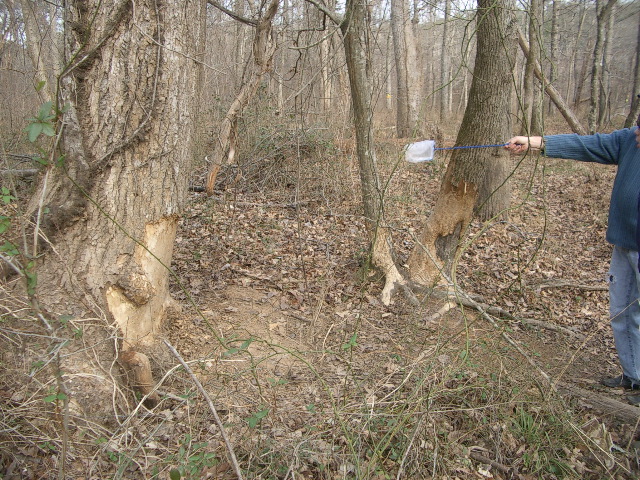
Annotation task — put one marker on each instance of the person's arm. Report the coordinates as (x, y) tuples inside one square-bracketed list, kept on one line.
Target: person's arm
[(521, 144)]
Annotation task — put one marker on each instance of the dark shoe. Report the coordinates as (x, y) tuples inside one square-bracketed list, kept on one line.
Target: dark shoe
[(634, 399), (620, 381)]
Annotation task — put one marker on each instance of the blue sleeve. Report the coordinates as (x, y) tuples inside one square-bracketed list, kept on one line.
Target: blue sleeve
[(638, 232), (605, 148)]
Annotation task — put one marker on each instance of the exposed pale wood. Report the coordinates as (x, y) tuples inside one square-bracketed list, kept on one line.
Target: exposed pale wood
[(138, 370)]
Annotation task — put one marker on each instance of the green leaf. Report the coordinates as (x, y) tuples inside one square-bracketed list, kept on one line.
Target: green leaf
[(45, 111), (47, 129), (50, 398), (34, 130), (257, 417), (5, 223), (9, 248), (64, 319), (40, 85), (174, 474), (351, 343)]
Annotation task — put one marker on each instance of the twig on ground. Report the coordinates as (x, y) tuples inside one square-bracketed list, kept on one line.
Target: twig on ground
[(232, 455), (552, 326)]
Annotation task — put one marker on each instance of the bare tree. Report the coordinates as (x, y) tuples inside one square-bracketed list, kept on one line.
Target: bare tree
[(408, 75), (532, 108), (263, 50), (357, 47), (445, 86)]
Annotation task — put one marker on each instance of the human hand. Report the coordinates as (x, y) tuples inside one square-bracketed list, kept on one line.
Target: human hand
[(521, 144)]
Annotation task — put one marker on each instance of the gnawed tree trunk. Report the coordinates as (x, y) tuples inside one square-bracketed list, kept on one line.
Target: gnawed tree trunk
[(356, 46), (263, 50), (130, 82), (476, 179)]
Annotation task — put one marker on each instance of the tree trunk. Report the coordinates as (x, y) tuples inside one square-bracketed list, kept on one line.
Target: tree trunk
[(39, 48), (553, 72), (604, 109), (130, 82), (634, 109), (574, 94), (476, 179), (398, 19), (532, 118), (357, 48), (445, 87), (598, 59)]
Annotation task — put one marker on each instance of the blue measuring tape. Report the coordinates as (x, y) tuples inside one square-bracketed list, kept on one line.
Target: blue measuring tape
[(472, 146)]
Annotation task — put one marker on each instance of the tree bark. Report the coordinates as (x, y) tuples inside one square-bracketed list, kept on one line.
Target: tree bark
[(604, 108), (634, 109), (39, 49), (130, 82), (598, 59), (532, 114), (476, 179), (445, 87), (408, 78)]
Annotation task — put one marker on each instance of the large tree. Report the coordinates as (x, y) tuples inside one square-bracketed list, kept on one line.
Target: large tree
[(476, 180), (109, 202)]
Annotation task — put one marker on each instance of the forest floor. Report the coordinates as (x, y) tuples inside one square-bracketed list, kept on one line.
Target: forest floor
[(330, 383), (314, 378)]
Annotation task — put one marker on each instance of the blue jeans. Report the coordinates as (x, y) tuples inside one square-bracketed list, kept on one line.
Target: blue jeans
[(624, 309)]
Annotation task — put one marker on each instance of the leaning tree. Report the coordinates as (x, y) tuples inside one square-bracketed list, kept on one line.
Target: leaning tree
[(106, 210)]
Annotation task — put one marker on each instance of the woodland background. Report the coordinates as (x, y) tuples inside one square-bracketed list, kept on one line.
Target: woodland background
[(278, 312)]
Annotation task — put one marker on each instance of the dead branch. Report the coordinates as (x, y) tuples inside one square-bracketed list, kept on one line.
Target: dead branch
[(622, 412), (235, 16), (25, 172), (570, 284), (552, 92), (232, 455)]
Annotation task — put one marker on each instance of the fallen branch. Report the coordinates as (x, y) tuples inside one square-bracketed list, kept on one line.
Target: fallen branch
[(622, 412), (552, 327), (24, 172), (570, 284), (232, 455)]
